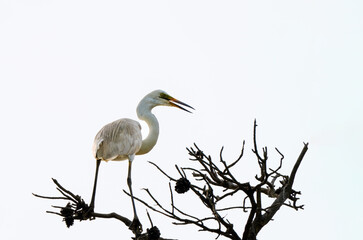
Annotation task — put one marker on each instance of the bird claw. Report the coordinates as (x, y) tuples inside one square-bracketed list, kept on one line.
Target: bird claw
[(136, 226), (88, 214)]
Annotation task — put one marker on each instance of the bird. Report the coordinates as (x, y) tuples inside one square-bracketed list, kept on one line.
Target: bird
[(122, 139)]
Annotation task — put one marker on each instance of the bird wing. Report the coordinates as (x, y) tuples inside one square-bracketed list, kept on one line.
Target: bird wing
[(117, 140)]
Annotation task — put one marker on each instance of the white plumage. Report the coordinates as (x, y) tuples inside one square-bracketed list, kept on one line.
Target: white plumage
[(121, 139), (117, 140)]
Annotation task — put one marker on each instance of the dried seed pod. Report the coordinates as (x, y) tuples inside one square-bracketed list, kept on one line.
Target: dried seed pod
[(182, 185), (153, 233)]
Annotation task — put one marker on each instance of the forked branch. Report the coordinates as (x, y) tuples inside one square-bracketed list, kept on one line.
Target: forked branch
[(214, 184), (212, 177), (78, 209)]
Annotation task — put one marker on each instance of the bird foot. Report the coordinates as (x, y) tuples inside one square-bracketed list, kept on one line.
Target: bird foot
[(136, 226), (88, 214)]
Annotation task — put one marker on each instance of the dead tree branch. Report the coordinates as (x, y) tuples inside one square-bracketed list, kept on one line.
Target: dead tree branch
[(78, 209), (214, 184), (212, 178)]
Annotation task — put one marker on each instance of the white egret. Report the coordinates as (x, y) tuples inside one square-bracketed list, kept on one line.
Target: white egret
[(121, 139)]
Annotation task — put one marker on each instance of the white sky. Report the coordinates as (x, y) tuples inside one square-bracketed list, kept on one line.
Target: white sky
[(69, 67)]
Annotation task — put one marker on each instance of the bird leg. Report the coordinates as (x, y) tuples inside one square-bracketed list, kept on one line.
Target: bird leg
[(92, 204), (135, 225)]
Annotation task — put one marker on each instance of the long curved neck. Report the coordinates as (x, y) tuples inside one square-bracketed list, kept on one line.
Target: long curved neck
[(144, 113)]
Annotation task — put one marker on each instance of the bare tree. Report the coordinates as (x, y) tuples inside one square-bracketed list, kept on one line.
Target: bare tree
[(214, 184)]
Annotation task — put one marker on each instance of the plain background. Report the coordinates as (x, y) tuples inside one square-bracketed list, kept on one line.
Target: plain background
[(69, 67)]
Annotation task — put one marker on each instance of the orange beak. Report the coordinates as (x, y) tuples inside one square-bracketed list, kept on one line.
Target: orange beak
[(174, 102)]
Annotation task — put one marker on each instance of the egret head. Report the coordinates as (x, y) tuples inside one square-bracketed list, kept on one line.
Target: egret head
[(161, 98)]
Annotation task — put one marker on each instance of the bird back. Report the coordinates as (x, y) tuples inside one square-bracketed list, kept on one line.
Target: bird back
[(118, 140)]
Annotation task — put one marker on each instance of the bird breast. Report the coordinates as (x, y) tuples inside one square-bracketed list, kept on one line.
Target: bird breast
[(118, 140)]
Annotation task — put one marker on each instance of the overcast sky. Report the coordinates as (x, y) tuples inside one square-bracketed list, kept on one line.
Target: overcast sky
[(69, 67)]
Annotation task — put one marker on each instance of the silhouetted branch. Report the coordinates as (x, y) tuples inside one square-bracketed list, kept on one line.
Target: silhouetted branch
[(210, 177), (77, 209), (214, 183)]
